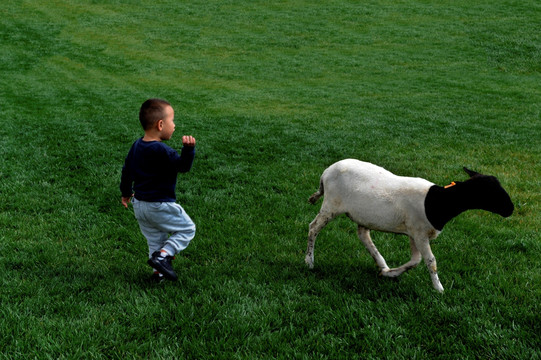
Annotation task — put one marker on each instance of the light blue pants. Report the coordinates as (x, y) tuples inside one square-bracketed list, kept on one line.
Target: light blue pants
[(165, 225)]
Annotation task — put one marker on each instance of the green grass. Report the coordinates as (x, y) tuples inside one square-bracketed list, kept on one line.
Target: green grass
[(274, 92)]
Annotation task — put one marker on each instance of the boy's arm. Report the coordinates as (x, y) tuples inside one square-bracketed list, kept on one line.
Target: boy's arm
[(187, 154), (126, 182)]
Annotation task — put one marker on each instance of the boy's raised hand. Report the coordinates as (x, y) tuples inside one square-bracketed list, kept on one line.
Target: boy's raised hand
[(188, 141)]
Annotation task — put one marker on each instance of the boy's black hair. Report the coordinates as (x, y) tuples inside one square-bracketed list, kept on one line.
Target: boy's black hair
[(151, 111)]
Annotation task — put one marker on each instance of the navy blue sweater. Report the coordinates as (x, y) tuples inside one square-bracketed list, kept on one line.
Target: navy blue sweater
[(150, 170)]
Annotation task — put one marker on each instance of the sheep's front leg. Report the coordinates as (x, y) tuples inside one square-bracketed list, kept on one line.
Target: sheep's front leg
[(364, 236), (424, 247), (415, 260), (319, 222)]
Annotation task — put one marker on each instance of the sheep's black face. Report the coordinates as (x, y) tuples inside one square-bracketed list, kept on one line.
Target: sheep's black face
[(478, 192), (491, 195)]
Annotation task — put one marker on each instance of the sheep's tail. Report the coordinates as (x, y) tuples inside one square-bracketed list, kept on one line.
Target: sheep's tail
[(315, 196)]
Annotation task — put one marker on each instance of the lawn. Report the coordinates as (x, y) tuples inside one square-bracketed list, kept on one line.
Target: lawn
[(274, 93)]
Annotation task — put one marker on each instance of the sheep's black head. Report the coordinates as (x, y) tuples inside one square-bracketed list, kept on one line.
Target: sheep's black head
[(489, 193)]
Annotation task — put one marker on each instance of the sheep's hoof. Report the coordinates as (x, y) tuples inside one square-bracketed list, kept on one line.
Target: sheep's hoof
[(384, 272)]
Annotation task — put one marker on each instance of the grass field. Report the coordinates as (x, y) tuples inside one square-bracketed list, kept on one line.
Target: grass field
[(274, 92)]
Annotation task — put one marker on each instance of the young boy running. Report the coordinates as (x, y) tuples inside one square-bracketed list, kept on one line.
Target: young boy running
[(149, 175)]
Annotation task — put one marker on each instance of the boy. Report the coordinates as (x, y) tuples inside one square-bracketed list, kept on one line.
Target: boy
[(152, 167)]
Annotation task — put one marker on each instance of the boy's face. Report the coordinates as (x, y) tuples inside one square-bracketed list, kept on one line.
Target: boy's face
[(168, 124)]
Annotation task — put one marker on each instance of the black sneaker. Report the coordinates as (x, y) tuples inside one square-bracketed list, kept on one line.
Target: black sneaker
[(163, 265)]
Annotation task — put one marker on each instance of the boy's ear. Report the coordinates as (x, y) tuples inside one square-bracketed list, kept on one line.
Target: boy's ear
[(159, 125)]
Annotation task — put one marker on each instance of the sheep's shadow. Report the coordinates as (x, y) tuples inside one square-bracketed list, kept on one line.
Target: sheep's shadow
[(355, 278), (359, 279)]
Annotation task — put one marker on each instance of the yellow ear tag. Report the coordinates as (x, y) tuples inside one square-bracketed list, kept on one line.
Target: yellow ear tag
[(448, 186)]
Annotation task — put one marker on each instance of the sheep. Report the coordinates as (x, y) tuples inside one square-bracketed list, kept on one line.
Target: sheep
[(377, 199)]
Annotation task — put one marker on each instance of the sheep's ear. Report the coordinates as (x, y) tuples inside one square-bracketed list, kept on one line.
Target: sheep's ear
[(471, 173)]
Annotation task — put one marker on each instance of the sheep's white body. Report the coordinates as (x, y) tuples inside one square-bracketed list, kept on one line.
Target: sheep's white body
[(377, 199)]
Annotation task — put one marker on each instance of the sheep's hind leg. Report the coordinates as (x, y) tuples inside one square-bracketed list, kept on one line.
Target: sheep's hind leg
[(319, 222), (364, 236), (415, 260)]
